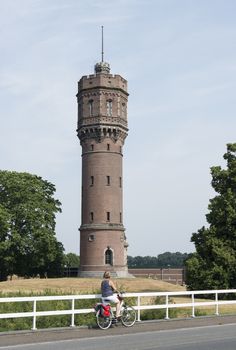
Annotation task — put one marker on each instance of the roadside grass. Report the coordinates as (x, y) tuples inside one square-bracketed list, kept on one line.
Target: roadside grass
[(202, 310), (70, 286), (44, 321), (65, 286), (183, 312)]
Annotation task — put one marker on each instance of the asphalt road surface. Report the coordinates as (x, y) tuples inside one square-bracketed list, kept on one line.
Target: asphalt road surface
[(217, 336)]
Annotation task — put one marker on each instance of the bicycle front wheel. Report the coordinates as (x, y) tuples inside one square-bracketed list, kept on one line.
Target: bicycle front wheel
[(128, 316), (103, 322)]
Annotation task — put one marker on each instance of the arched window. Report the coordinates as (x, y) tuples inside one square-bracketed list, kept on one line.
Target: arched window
[(108, 257), (109, 108)]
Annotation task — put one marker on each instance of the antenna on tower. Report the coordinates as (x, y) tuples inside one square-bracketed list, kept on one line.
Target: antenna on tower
[(102, 45), (102, 67)]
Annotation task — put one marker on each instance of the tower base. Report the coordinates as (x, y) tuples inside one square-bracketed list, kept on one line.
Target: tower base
[(99, 274)]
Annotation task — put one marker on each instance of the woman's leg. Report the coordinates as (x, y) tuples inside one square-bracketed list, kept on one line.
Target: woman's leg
[(118, 309)]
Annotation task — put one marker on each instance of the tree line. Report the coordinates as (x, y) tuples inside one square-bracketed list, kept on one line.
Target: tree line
[(165, 260)]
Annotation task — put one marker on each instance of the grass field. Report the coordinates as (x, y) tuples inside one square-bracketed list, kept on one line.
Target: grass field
[(92, 286), (84, 285), (62, 286)]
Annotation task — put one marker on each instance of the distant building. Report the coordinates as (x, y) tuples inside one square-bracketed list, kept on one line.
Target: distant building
[(102, 129)]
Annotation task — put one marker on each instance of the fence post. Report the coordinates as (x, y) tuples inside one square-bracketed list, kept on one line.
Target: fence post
[(193, 306), (72, 313), (167, 308), (217, 304), (138, 304), (34, 316)]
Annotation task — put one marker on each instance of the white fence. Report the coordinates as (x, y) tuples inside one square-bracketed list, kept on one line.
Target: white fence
[(170, 303)]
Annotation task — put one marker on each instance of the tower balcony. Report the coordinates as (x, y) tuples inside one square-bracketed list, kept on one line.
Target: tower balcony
[(100, 131)]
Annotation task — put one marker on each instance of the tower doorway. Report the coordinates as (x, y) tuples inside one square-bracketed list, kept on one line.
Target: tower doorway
[(108, 257)]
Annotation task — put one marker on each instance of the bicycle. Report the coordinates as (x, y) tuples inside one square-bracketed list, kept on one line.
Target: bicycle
[(106, 318)]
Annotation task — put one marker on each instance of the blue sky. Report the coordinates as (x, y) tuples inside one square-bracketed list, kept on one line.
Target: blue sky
[(179, 57)]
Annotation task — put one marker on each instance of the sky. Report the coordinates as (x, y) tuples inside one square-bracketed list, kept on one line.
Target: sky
[(179, 57)]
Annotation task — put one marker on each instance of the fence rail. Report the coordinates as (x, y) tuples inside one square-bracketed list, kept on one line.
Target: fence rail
[(140, 297)]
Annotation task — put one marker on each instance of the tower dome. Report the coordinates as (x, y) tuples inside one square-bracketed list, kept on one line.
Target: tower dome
[(102, 67)]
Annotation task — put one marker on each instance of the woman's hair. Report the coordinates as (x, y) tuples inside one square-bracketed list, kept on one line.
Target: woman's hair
[(106, 274)]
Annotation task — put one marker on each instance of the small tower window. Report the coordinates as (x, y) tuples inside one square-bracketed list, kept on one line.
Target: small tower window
[(120, 180), (120, 217), (108, 180), (90, 108), (108, 256), (120, 149), (91, 147), (123, 110), (109, 108), (79, 110), (91, 216), (91, 180), (108, 147), (91, 238), (108, 216)]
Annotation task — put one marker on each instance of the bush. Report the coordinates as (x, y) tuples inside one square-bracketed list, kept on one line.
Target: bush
[(156, 314), (44, 321)]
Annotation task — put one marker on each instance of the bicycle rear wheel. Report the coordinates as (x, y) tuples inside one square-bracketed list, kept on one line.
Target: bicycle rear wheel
[(128, 316), (103, 322)]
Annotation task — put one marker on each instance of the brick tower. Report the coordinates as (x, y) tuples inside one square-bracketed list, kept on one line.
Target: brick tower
[(102, 129)]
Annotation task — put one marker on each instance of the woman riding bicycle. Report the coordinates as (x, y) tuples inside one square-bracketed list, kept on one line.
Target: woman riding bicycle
[(108, 289)]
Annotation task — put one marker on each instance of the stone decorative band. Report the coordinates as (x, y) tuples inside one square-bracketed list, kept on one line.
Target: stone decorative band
[(104, 88), (101, 133), (99, 120), (110, 227)]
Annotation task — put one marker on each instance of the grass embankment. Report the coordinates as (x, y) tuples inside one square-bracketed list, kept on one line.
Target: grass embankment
[(69, 286), (64, 286), (83, 285)]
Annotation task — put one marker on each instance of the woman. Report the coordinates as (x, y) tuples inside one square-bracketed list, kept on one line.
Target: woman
[(107, 289)]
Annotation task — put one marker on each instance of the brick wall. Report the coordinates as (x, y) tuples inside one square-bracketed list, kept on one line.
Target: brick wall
[(176, 276)]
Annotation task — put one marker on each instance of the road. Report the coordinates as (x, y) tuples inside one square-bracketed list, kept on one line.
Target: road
[(141, 337)]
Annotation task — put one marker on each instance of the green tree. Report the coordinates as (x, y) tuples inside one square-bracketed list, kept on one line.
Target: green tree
[(72, 260), (213, 266), (173, 260), (6, 261), (28, 245)]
